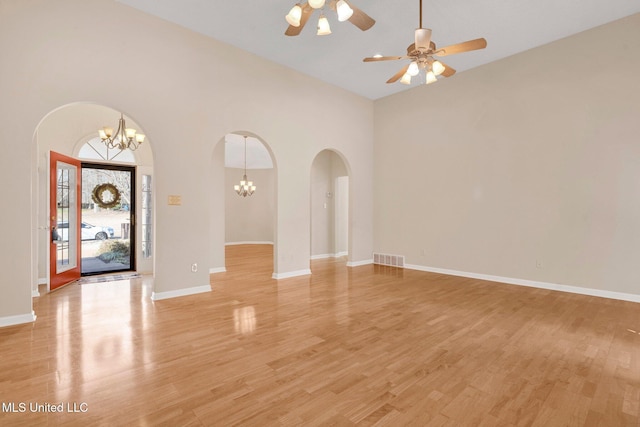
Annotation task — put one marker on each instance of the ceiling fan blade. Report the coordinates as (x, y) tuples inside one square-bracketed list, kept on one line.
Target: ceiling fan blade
[(306, 13), (399, 74), (476, 44), (361, 19), (448, 71), (383, 58)]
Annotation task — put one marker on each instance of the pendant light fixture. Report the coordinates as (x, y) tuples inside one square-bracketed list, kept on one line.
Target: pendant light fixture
[(124, 138), (246, 187)]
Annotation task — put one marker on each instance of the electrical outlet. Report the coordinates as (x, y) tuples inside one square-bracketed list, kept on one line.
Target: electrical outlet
[(194, 267)]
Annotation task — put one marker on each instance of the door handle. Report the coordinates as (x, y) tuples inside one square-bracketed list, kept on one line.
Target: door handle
[(55, 237)]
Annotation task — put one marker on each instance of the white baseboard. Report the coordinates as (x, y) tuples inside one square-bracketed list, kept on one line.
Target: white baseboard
[(35, 293), (531, 283), (217, 270), (359, 263), (325, 256), (291, 274), (248, 243), (157, 296), (17, 320), (42, 281)]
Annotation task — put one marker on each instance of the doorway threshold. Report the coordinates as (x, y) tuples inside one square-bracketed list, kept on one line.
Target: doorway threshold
[(108, 278)]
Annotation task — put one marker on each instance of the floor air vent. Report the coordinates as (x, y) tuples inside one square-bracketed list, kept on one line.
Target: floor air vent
[(390, 260)]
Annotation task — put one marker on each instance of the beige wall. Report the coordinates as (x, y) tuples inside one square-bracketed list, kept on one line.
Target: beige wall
[(250, 219), (526, 168), (186, 91)]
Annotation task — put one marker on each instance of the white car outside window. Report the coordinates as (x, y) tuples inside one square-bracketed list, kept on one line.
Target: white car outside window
[(88, 231)]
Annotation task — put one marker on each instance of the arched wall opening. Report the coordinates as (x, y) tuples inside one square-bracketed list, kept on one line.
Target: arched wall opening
[(242, 222), (330, 230), (67, 130)]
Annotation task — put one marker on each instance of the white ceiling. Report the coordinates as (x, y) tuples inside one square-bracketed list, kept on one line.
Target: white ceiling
[(257, 155), (510, 26)]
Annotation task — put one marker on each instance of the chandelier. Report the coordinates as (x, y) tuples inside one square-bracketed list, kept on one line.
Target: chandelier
[(123, 138), (246, 187)]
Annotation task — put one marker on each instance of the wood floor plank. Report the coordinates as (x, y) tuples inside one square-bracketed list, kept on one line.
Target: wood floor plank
[(365, 346)]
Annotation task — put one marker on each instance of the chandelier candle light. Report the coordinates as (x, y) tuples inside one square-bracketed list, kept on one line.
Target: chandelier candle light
[(246, 187), (123, 138)]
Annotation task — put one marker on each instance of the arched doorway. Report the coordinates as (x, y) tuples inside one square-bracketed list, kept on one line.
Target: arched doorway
[(72, 130), (243, 223), (329, 206)]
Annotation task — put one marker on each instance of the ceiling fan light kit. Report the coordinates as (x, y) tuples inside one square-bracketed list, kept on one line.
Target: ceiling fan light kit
[(421, 53), (301, 12)]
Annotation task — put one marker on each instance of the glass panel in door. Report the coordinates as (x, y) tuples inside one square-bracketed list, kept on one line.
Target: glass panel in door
[(64, 213), (107, 228)]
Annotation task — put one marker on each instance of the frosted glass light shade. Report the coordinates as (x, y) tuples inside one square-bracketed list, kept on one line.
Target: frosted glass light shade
[(437, 68), (294, 15), (323, 26), (344, 10), (431, 78), (316, 4), (406, 79), (413, 69)]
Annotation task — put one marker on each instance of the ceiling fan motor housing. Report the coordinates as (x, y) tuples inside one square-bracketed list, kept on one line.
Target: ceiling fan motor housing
[(423, 38)]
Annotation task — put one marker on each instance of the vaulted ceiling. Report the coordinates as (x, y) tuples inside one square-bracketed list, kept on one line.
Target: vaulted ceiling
[(509, 26)]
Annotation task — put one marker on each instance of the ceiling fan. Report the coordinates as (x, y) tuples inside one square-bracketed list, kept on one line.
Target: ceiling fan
[(422, 52), (300, 13)]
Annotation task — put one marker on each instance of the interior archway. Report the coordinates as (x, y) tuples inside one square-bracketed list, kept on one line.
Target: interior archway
[(243, 224), (330, 231), (67, 130)]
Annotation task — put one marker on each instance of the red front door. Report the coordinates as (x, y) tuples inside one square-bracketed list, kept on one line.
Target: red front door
[(64, 220)]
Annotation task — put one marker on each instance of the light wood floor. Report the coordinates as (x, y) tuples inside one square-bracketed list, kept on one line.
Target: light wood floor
[(346, 346)]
